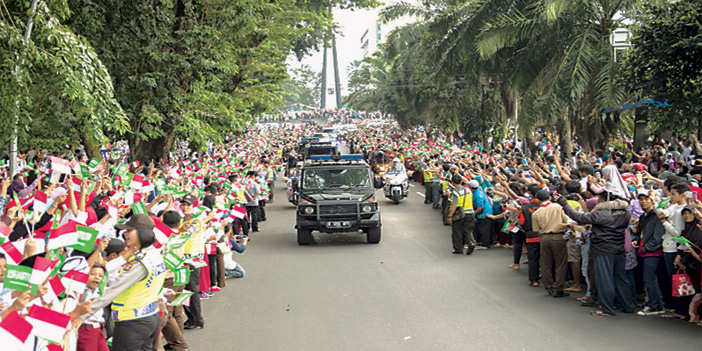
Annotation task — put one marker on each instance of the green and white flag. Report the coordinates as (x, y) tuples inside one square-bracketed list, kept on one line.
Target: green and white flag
[(86, 239), (172, 261), (138, 208), (177, 241), (93, 164), (181, 298), (17, 278), (181, 276)]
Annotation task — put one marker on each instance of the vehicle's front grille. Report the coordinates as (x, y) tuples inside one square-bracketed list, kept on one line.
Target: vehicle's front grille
[(347, 209)]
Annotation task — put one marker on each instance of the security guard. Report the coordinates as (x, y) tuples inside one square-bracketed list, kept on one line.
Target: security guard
[(135, 291), (428, 182), (445, 193), (461, 228)]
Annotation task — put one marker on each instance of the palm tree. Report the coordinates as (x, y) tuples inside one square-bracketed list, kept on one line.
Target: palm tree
[(565, 48)]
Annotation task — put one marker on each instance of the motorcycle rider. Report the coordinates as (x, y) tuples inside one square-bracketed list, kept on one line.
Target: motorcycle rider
[(397, 166), (398, 173)]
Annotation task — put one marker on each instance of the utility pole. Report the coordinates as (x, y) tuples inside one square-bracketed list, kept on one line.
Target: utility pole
[(27, 34), (323, 95), (337, 83)]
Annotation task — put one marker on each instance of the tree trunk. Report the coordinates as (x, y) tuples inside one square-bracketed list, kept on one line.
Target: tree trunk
[(156, 149), (564, 138), (91, 149), (401, 118)]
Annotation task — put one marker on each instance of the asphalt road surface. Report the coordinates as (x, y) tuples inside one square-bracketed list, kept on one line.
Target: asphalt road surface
[(406, 293)]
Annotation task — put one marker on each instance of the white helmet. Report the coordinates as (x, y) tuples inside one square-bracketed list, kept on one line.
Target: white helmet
[(396, 161)]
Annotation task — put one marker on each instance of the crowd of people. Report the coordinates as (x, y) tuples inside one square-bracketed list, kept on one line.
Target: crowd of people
[(102, 251), (97, 252), (333, 116), (620, 227)]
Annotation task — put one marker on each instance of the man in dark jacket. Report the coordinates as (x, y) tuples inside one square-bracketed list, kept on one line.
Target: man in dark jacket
[(609, 219), (649, 241)]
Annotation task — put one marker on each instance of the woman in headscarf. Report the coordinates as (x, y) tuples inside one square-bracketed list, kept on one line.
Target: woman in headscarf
[(687, 260), (22, 190), (614, 183)]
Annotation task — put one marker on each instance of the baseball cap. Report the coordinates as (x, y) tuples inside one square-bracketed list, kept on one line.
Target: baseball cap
[(137, 221), (188, 199), (643, 192), (474, 184)]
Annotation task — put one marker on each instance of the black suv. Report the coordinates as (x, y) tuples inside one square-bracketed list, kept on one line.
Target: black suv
[(337, 195), (320, 149)]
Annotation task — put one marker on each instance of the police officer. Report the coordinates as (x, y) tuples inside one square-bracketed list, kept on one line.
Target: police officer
[(135, 291), (428, 182), (461, 228)]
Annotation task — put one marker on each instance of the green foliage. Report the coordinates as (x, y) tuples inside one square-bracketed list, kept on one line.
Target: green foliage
[(663, 63), (58, 81), (302, 87), (192, 69), (465, 64)]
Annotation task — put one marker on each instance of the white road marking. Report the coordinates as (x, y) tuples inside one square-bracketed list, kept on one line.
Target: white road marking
[(412, 185), (420, 194)]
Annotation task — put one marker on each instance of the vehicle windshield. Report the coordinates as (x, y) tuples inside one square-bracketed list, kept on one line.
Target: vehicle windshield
[(320, 151), (335, 178)]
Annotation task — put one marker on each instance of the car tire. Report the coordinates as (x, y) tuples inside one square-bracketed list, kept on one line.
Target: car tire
[(304, 236), (373, 235)]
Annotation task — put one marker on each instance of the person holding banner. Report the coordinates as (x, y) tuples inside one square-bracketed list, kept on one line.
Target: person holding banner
[(135, 291)]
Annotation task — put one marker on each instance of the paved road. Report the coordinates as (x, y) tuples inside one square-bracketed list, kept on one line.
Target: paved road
[(406, 293)]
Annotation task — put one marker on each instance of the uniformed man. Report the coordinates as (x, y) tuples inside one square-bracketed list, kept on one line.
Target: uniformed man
[(428, 182), (135, 291), (461, 228)]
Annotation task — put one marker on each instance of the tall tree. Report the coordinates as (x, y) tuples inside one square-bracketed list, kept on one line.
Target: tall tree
[(664, 64), (302, 86), (60, 85)]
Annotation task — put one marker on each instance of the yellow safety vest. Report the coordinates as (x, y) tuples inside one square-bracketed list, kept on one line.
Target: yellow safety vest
[(139, 300), (465, 199), (428, 177), (194, 246)]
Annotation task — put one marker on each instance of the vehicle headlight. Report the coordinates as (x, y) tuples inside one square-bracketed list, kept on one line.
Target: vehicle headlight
[(368, 208), (308, 210)]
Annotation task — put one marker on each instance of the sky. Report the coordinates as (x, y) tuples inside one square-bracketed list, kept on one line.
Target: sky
[(352, 25)]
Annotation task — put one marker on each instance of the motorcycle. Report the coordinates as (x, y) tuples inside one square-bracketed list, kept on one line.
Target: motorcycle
[(292, 190), (396, 186)]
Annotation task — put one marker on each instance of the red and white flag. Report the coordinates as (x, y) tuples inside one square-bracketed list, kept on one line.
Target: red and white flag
[(42, 269), (161, 231), (12, 252), (137, 182), (40, 201), (25, 203), (4, 229), (74, 281), (48, 324), (238, 212), (131, 197), (56, 288), (60, 165), (14, 331), (75, 165), (77, 184), (113, 211), (64, 235)]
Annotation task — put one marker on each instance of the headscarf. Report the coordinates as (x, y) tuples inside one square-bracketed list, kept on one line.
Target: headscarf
[(691, 231), (17, 186), (615, 184)]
